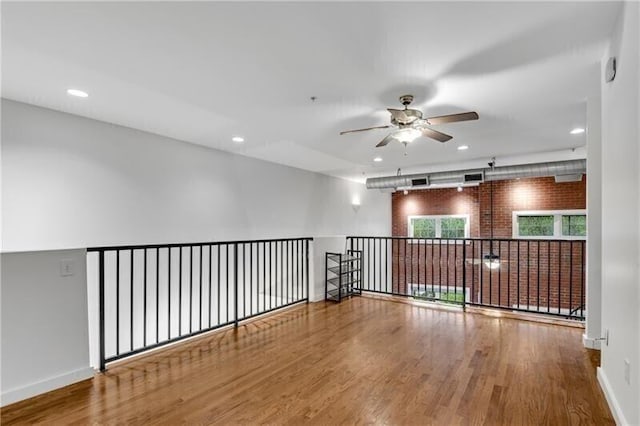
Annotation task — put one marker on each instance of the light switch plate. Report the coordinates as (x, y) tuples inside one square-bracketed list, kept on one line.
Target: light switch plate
[(67, 267)]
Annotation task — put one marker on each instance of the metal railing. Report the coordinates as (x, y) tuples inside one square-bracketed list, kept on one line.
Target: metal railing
[(153, 295), (532, 275)]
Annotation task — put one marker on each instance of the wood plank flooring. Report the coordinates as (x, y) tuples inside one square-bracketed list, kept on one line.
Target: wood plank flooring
[(364, 361)]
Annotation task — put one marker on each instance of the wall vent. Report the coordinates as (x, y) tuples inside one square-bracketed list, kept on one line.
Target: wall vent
[(474, 177)]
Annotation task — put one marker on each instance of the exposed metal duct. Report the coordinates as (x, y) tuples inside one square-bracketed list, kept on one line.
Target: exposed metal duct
[(462, 177)]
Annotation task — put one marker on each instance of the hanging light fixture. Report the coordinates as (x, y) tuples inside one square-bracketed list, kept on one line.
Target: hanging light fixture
[(491, 260)]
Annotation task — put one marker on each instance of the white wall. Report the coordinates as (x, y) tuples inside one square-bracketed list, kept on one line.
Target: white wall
[(593, 329), (44, 323), (621, 221), (72, 182)]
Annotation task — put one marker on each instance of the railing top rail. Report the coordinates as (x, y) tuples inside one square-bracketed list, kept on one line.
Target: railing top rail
[(553, 240), (198, 244)]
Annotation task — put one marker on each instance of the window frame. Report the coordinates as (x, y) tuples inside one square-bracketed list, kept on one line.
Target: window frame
[(557, 224), (438, 218)]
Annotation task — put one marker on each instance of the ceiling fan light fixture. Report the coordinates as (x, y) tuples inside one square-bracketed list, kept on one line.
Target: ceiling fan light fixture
[(407, 135)]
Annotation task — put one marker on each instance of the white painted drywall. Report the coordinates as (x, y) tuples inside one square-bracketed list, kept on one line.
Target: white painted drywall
[(72, 182), (621, 220), (593, 329), (44, 323)]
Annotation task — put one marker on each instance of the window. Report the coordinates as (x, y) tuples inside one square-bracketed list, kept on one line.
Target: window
[(568, 224), (447, 226), (440, 293)]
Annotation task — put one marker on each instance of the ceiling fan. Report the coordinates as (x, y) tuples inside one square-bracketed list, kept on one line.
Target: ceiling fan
[(410, 124)]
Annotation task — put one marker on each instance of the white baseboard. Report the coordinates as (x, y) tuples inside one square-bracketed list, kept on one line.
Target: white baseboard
[(590, 342), (611, 399), (15, 395)]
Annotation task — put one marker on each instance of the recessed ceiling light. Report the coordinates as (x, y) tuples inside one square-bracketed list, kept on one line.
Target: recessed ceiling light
[(377, 159), (463, 147), (237, 139), (77, 93), (577, 131)]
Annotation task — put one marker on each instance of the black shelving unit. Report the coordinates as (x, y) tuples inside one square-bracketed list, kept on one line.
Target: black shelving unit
[(342, 274)]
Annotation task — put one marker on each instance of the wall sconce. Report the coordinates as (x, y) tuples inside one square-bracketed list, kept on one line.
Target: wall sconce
[(355, 203)]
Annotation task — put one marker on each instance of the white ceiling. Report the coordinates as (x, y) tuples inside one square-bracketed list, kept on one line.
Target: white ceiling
[(203, 72)]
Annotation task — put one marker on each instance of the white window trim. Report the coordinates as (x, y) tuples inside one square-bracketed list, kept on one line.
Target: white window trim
[(557, 223), (467, 225)]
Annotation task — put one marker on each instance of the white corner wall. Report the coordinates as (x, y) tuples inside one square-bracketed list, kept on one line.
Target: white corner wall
[(621, 221), (72, 182), (593, 326), (44, 323)]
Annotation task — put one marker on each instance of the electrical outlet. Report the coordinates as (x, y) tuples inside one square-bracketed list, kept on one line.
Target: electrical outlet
[(627, 371), (67, 267)]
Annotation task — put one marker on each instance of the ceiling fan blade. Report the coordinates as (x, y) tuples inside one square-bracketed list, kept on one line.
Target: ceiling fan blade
[(452, 118), (364, 130), (385, 141), (434, 134)]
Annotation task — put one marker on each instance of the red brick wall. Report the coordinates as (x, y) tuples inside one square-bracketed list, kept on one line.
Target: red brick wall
[(508, 196), (556, 279)]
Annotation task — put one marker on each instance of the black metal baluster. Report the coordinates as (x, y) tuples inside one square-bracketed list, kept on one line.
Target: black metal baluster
[(481, 272), (500, 274), (251, 279), (190, 289), (227, 261), (210, 272), (439, 268), (157, 294), (180, 293), (538, 275), (200, 293), (528, 275), (235, 284), (570, 277), (548, 276), (169, 293), (144, 300), (218, 249), (117, 302), (131, 299), (473, 271), (101, 308), (559, 275), (509, 274), (518, 288)]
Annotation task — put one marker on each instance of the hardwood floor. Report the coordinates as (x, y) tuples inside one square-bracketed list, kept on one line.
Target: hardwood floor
[(361, 361)]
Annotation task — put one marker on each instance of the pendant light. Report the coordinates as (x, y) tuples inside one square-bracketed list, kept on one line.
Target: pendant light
[(491, 260)]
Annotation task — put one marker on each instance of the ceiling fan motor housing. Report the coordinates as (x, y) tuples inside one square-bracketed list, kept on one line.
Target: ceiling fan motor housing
[(406, 99)]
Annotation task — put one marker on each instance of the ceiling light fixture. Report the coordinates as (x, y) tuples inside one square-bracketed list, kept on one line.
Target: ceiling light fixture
[(459, 188), (77, 93), (463, 147), (377, 159), (406, 192), (407, 135), (237, 139), (577, 131)]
